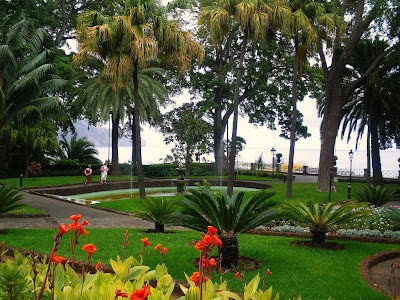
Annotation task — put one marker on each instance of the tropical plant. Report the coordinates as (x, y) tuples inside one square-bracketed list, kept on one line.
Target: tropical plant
[(80, 149), (377, 196), (229, 215), (9, 199), (157, 210), (259, 163), (321, 218)]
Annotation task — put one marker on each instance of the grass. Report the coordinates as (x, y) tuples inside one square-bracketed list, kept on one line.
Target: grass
[(314, 274), (26, 210), (59, 180)]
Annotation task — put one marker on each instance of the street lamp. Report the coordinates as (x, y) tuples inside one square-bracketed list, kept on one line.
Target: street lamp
[(351, 155), (273, 157)]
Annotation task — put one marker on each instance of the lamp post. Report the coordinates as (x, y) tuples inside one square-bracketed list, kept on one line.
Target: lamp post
[(273, 157), (351, 155)]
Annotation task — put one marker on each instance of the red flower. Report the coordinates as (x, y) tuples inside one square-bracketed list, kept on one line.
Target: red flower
[(196, 277), (140, 294), (216, 241), (89, 248), (85, 223), (73, 226), (211, 230), (82, 230), (75, 218), (63, 229), (57, 259), (237, 275), (99, 266), (118, 293), (146, 242), (157, 247), (268, 272), (165, 250), (210, 262)]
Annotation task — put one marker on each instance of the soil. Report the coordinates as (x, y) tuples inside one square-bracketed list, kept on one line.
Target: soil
[(245, 264), (328, 245)]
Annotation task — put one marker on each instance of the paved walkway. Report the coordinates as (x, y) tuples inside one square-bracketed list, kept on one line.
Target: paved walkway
[(61, 210)]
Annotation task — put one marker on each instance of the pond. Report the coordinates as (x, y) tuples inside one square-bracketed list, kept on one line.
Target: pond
[(97, 197)]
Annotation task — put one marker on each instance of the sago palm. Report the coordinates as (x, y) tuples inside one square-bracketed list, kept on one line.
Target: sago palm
[(230, 215), (157, 210), (321, 218), (9, 199), (377, 196)]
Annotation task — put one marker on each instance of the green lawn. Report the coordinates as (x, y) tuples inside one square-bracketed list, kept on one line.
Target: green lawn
[(315, 274), (26, 210)]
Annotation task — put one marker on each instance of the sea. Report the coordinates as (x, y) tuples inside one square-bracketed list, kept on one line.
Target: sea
[(302, 157)]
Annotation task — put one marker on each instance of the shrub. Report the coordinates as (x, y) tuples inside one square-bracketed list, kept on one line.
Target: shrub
[(377, 196), (230, 216), (9, 199), (157, 210), (321, 218)]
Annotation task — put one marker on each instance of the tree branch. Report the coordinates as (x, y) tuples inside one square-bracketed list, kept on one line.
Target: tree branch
[(323, 59)]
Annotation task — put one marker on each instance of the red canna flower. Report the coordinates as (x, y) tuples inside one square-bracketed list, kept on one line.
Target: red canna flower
[(196, 277), (75, 218), (157, 247), (58, 259), (165, 250), (89, 248), (211, 230), (210, 262), (140, 294), (216, 241), (85, 223), (118, 293), (99, 265), (82, 230), (268, 272), (146, 242), (237, 275), (63, 229), (73, 226)]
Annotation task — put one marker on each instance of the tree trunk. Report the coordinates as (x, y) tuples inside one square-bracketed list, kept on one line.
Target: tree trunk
[(219, 130), (329, 129), (114, 145), (133, 135), (139, 166), (187, 160), (376, 160), (232, 156), (159, 227), (368, 181), (318, 239), (294, 119), (229, 250)]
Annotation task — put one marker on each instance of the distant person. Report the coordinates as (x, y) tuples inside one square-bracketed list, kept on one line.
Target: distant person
[(88, 174), (104, 169)]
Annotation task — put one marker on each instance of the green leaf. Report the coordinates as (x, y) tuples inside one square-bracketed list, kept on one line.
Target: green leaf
[(161, 271)]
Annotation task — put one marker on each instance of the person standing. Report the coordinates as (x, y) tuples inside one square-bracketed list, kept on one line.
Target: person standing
[(104, 169), (88, 173)]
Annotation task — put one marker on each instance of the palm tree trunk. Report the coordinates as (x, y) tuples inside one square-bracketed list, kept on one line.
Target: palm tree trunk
[(318, 238), (114, 145), (229, 250), (133, 134), (187, 160), (294, 119), (368, 181), (376, 160), (232, 155), (139, 166)]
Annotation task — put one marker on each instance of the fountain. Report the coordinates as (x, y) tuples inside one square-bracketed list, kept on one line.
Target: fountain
[(180, 183)]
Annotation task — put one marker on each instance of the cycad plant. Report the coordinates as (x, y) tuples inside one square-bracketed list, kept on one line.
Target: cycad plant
[(157, 210), (377, 196), (230, 215), (9, 199), (320, 218)]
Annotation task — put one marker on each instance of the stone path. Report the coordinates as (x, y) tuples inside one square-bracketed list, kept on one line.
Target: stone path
[(61, 210)]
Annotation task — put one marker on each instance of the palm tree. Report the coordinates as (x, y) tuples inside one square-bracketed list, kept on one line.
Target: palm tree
[(9, 199), (374, 106), (320, 218), (230, 215), (127, 43), (80, 149), (26, 82), (157, 210)]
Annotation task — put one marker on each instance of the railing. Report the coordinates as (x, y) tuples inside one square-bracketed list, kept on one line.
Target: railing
[(313, 171)]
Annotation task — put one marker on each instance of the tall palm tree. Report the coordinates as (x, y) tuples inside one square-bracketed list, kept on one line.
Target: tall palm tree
[(81, 149), (302, 29), (374, 106), (27, 82), (127, 43)]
